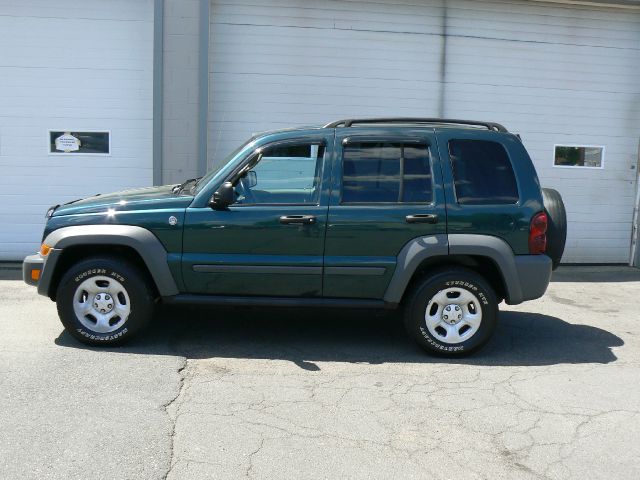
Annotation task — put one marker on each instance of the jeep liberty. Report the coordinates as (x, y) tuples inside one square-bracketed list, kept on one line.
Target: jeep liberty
[(442, 218)]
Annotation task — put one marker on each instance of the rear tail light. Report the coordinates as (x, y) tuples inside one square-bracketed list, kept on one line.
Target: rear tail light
[(538, 234)]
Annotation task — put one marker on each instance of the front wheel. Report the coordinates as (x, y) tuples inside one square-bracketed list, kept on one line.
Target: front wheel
[(104, 301), (452, 312)]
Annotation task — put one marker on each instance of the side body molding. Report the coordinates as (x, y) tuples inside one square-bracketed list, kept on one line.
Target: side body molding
[(140, 239), (409, 258)]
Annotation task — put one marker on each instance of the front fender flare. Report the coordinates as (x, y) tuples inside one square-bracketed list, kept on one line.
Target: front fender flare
[(145, 243)]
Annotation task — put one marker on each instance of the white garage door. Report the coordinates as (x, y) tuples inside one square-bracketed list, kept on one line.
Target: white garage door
[(556, 74), (559, 75), (278, 64), (78, 67)]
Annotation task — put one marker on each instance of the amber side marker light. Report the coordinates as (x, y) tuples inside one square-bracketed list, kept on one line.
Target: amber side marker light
[(35, 275), (45, 249)]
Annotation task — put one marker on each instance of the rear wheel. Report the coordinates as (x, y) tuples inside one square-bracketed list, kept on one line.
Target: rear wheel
[(104, 301), (451, 313)]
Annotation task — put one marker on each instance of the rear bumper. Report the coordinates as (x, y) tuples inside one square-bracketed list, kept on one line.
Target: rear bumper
[(32, 269), (533, 276)]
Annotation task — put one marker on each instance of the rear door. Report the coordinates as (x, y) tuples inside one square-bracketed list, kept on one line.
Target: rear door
[(386, 191)]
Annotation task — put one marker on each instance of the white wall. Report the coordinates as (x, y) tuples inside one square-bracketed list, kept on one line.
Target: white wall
[(70, 65)]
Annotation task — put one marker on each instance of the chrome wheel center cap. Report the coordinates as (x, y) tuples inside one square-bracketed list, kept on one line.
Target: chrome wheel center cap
[(452, 314), (103, 302)]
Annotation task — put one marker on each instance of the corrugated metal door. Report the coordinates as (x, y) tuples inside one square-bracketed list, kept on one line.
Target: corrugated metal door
[(556, 74), (285, 63), (78, 67)]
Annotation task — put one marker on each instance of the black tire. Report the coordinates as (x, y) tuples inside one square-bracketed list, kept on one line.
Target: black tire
[(556, 225), (422, 294), (140, 300)]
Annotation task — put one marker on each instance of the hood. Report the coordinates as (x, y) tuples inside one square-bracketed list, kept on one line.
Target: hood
[(136, 199)]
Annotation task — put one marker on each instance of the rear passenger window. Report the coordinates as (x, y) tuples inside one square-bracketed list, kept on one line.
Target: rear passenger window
[(384, 172), (482, 173)]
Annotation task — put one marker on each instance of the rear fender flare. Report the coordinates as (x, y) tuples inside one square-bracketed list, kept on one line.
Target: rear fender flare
[(416, 251), (498, 251), (409, 259)]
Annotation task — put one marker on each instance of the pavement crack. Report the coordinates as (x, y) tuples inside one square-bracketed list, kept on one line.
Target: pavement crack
[(171, 408), (251, 455)]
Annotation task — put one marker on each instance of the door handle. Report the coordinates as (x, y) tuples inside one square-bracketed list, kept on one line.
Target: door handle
[(422, 218), (298, 219)]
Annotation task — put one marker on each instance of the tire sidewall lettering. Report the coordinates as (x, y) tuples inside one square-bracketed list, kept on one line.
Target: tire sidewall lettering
[(99, 271), (104, 338)]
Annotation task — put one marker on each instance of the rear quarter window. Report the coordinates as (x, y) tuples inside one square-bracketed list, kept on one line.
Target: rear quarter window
[(482, 173)]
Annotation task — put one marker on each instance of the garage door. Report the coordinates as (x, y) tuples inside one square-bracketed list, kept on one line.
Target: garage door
[(562, 75), (278, 64), (79, 67), (559, 76)]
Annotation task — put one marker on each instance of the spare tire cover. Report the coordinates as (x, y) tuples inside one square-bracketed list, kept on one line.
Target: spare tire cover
[(557, 224)]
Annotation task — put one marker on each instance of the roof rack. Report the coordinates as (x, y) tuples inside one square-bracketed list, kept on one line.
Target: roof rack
[(351, 121)]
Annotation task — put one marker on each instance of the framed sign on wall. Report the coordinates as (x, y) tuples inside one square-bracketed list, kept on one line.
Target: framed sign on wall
[(79, 142)]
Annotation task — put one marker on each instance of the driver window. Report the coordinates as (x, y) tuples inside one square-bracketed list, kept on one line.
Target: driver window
[(284, 174)]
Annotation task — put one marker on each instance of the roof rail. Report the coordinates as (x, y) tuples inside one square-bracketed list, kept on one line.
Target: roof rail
[(351, 121)]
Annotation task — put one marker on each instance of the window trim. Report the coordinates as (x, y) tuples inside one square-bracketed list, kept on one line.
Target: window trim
[(235, 174), (453, 175), (79, 154), (577, 145), (392, 139)]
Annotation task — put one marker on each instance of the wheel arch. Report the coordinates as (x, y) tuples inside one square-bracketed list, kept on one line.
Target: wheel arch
[(490, 257), (77, 253), (136, 244), (483, 266)]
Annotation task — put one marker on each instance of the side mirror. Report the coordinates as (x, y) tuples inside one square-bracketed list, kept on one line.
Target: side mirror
[(252, 178), (223, 197)]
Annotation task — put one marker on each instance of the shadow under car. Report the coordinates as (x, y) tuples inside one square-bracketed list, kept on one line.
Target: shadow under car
[(323, 335)]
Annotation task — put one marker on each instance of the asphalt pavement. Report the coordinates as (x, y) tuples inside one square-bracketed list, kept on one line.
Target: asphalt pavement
[(293, 394)]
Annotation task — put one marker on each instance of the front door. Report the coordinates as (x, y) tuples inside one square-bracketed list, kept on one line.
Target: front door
[(270, 241), (387, 190)]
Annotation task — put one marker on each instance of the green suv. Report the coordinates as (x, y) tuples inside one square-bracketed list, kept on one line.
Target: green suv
[(442, 218)]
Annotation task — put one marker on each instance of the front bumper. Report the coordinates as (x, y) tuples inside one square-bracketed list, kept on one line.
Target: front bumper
[(45, 266), (32, 269)]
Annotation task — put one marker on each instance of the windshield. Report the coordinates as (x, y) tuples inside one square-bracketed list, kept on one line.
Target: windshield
[(217, 168)]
